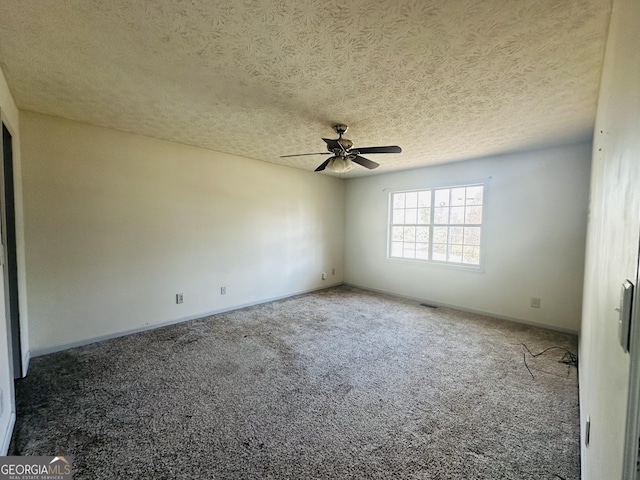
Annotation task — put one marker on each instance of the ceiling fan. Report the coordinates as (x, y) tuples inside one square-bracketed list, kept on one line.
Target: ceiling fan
[(344, 156)]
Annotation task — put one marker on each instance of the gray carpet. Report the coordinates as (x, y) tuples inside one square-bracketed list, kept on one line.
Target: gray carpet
[(340, 383)]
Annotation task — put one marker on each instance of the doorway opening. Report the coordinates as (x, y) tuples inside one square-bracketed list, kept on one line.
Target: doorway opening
[(10, 252)]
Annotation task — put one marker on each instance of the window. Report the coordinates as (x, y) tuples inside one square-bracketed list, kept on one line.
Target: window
[(437, 225)]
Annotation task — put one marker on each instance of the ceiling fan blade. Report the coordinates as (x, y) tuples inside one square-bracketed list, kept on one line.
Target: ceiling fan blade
[(323, 165), (387, 149), (303, 154), (333, 143), (365, 162)]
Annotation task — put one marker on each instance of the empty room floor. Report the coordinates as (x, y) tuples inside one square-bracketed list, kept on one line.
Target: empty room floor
[(339, 383)]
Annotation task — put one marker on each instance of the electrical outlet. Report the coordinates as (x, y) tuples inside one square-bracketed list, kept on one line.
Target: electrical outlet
[(535, 302), (179, 298), (324, 276), (223, 290)]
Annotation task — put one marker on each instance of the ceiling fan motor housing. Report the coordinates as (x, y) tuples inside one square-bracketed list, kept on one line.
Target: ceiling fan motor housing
[(346, 144), (340, 145)]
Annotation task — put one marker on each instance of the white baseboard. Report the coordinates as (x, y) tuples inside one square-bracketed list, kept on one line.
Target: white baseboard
[(470, 310), (6, 438), (81, 343)]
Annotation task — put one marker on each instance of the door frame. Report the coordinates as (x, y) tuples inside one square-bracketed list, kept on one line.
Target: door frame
[(10, 251), (6, 438), (632, 430)]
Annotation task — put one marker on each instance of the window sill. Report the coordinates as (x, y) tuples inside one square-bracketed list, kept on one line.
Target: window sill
[(437, 264)]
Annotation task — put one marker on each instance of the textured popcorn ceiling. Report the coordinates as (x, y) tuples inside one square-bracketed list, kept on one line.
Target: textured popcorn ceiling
[(445, 80)]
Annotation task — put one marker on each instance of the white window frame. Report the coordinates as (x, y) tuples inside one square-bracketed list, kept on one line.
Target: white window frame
[(433, 225)]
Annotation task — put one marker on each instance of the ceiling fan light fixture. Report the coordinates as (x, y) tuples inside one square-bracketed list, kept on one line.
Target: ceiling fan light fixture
[(340, 165)]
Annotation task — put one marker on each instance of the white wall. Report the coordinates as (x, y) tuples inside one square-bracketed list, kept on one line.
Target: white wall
[(612, 245), (535, 223), (117, 224), (10, 117)]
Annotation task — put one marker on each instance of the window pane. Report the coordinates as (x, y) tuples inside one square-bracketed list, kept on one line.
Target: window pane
[(451, 218), (411, 216), (471, 255), (424, 198), (397, 234), (422, 234), (455, 235), (474, 195), (422, 251), (398, 217), (398, 200), (442, 198), (472, 235), (440, 234), (455, 253), (409, 250), (458, 196), (424, 216), (457, 215), (473, 215), (440, 252), (441, 215), (411, 199), (409, 234)]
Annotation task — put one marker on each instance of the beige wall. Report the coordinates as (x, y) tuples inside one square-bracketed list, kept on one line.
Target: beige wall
[(534, 226), (117, 224), (612, 246)]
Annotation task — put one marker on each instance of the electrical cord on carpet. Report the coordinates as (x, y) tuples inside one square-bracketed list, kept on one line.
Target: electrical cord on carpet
[(569, 358)]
